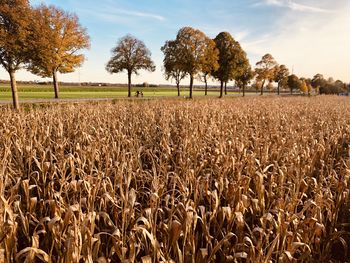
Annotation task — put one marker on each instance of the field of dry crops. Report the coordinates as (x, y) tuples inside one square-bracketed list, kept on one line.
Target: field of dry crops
[(236, 180)]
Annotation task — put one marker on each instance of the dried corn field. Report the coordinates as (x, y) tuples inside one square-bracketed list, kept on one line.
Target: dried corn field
[(236, 180)]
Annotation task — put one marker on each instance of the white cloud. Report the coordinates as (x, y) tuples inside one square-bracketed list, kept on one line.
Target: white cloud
[(309, 43), (292, 5), (138, 14), (241, 35), (118, 15), (109, 8)]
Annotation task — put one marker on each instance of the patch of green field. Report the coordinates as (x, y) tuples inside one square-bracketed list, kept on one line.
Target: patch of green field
[(27, 92), (49, 88)]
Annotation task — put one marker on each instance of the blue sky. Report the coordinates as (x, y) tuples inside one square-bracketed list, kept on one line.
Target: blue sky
[(309, 36)]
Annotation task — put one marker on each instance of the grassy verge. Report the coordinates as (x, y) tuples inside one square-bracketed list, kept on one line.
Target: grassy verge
[(43, 92), (28, 92)]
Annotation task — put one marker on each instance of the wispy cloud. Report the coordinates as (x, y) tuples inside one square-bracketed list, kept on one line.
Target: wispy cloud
[(118, 15), (293, 6), (309, 44), (137, 14), (241, 35), (212, 31)]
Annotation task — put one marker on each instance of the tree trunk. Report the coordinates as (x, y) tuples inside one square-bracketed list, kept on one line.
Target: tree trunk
[(178, 88), (55, 84), (14, 90), (262, 88), (221, 88), (291, 91), (243, 89), (129, 84), (206, 85), (278, 88), (191, 86), (225, 88)]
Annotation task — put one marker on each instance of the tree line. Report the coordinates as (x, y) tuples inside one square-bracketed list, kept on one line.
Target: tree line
[(193, 54), (46, 40)]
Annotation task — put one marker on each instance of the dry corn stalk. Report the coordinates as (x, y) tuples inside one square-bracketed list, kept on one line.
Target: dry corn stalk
[(255, 180)]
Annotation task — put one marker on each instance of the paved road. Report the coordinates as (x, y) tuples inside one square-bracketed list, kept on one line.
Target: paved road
[(43, 101), (32, 101)]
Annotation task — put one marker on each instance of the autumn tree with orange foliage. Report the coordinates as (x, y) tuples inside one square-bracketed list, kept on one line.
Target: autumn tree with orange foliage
[(265, 70), (281, 74), (210, 64), (56, 41), (195, 49), (15, 18)]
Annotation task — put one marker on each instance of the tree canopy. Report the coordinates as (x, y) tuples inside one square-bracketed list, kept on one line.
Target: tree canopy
[(244, 78), (281, 74), (294, 83), (172, 63), (232, 59), (304, 86), (56, 40), (194, 50), (132, 55), (15, 18), (318, 81), (210, 64), (265, 70)]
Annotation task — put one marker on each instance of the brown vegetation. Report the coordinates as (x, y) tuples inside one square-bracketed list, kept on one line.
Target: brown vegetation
[(231, 180)]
